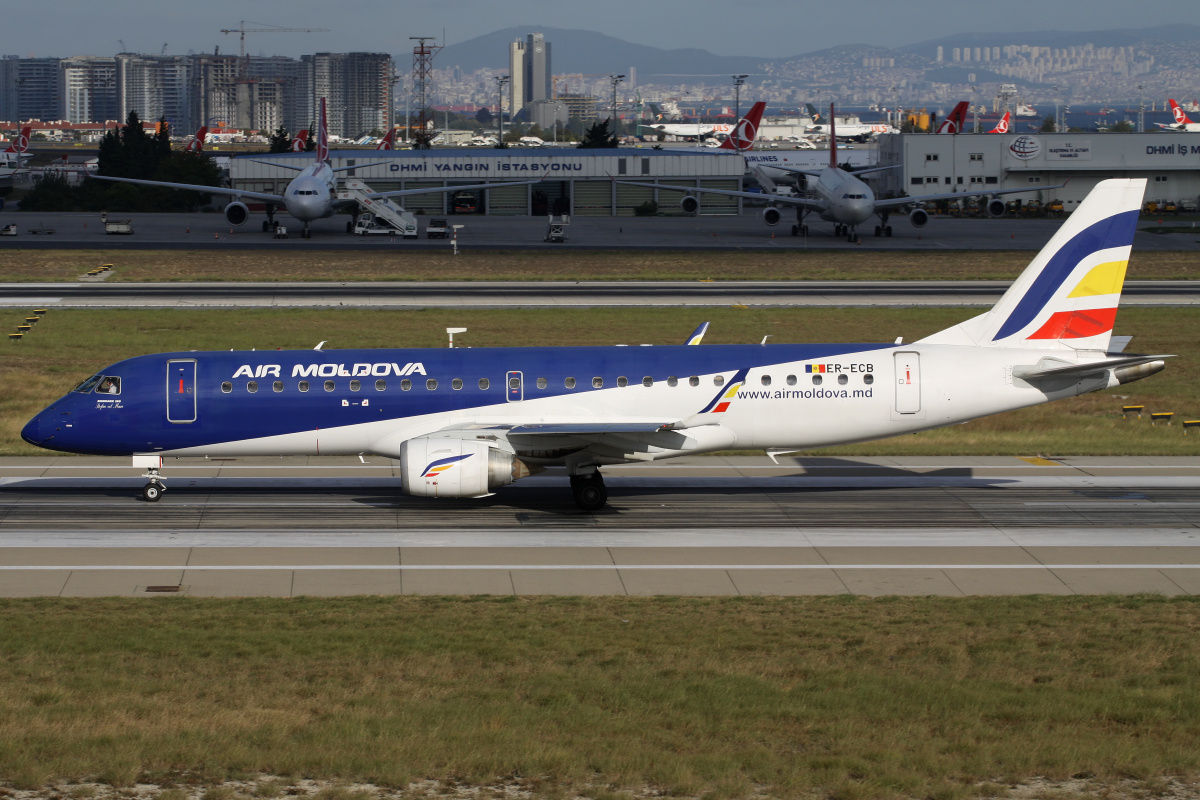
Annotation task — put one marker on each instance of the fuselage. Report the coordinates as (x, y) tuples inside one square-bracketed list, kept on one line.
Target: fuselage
[(311, 195), (370, 401), (843, 198)]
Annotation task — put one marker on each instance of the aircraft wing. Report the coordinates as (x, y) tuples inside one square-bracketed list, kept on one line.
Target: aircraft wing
[(241, 193), (434, 189), (587, 428), (896, 202), (793, 201), (1083, 370)]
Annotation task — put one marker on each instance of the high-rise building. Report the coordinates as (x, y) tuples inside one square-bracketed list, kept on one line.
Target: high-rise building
[(537, 68), (155, 87), (89, 89), (30, 88), (212, 90), (295, 80), (516, 77), (357, 88)]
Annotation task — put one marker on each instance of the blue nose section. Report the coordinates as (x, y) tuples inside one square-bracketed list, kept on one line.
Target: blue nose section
[(32, 432)]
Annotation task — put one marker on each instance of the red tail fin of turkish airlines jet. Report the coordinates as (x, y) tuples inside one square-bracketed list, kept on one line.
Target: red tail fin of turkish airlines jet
[(388, 142), (322, 136), (1002, 125), (300, 142), (21, 143), (956, 120), (744, 133), (832, 138), (196, 145), (1180, 116)]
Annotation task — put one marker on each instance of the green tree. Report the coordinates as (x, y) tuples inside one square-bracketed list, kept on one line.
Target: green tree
[(281, 141), (598, 136), (1048, 124), (50, 192), (1124, 126), (484, 117)]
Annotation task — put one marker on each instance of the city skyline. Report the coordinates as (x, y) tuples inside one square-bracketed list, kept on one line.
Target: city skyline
[(767, 29)]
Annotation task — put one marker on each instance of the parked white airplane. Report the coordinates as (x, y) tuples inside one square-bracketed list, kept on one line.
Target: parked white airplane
[(311, 195), (464, 422), (839, 197), (1182, 122)]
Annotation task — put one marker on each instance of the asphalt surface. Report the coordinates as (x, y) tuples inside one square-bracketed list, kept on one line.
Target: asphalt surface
[(708, 526), (745, 232), (540, 294)]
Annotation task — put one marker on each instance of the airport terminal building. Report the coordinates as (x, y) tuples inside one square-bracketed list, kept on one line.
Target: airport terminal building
[(936, 164), (569, 181)]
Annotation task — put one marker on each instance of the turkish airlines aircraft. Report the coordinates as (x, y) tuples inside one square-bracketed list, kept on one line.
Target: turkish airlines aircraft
[(1182, 122), (956, 120), (465, 422), (388, 142), (196, 145), (310, 196), (1003, 125), (16, 150), (838, 196)]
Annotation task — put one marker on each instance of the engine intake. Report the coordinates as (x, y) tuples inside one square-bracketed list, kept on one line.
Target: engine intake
[(995, 207), (237, 213), (771, 216), (689, 205), (919, 217), (456, 467)]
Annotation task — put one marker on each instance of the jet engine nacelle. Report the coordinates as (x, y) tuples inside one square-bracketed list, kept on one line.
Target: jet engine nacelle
[(689, 205), (771, 216), (919, 217), (236, 213), (435, 467), (995, 207)]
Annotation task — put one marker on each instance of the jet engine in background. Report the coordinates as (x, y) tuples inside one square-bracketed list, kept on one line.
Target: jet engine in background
[(236, 213)]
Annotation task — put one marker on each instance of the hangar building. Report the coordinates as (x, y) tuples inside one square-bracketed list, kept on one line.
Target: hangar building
[(570, 181), (929, 164)]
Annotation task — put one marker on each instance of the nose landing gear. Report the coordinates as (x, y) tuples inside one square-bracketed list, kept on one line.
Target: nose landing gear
[(153, 490)]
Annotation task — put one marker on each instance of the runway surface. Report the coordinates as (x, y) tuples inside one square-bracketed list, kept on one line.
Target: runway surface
[(699, 526), (746, 232), (555, 294)]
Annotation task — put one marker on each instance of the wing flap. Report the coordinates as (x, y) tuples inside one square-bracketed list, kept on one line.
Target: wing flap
[(1044, 370)]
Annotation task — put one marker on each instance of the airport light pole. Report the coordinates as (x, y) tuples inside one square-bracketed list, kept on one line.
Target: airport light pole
[(1141, 111), (615, 80), (1056, 104), (738, 80), (501, 80)]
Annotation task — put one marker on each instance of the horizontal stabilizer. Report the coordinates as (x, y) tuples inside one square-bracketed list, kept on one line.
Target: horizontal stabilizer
[(278, 164), (1045, 370)]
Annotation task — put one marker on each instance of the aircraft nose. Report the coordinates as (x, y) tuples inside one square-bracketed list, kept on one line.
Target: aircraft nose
[(32, 432)]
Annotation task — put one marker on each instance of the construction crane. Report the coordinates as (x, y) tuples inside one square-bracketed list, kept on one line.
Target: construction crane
[(242, 30)]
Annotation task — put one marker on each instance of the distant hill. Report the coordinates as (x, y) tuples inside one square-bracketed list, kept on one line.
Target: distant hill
[(590, 52)]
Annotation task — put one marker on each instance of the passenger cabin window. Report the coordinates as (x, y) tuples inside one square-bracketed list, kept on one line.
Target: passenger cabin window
[(252, 387), (484, 383), (672, 381), (647, 381), (542, 383), (718, 380), (843, 380), (405, 385), (380, 385), (355, 386), (694, 381), (598, 383), (817, 380), (791, 380), (569, 383), (302, 386), (868, 379), (277, 386), (622, 381), (766, 380), (431, 384), (226, 387), (456, 384), (329, 386)]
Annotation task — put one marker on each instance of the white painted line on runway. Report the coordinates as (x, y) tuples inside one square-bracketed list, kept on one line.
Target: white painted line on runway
[(576, 567)]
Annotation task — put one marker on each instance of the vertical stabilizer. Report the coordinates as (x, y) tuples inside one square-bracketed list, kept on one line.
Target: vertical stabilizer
[(389, 141), (832, 139), (300, 143), (21, 143), (1067, 297), (1002, 125), (1178, 113), (744, 133), (196, 145), (322, 136)]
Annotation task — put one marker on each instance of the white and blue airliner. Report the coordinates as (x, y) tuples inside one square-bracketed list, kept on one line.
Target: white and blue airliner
[(465, 422)]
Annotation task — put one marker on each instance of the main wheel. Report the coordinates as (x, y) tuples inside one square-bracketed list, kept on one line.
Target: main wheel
[(878, 231), (804, 230), (266, 226), (151, 492), (795, 230), (590, 492), (887, 231)]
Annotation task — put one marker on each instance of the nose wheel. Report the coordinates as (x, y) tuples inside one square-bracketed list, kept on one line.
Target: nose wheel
[(589, 490), (153, 490)]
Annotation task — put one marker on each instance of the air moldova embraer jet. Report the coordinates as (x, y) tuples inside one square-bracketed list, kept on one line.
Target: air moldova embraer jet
[(310, 196), (464, 422)]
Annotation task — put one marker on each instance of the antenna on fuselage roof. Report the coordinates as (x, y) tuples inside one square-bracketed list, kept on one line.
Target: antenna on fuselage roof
[(322, 344)]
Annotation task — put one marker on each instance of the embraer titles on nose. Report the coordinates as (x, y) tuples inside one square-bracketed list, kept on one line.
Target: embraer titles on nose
[(331, 370)]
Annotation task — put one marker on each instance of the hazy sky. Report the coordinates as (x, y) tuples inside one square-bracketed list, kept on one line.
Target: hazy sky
[(771, 28)]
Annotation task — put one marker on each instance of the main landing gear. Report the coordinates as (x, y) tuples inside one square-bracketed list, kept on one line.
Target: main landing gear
[(589, 490), (155, 488)]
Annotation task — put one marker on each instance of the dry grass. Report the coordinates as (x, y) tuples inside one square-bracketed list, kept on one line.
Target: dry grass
[(792, 697), (538, 265), (68, 346)]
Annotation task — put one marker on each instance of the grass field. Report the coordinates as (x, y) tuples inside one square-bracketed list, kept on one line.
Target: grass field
[(717, 698), (546, 265), (70, 345)]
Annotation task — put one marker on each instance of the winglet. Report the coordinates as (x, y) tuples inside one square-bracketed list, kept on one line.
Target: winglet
[(698, 334)]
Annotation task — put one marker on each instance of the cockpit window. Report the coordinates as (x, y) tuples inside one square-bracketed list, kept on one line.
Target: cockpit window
[(109, 385), (88, 385)]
